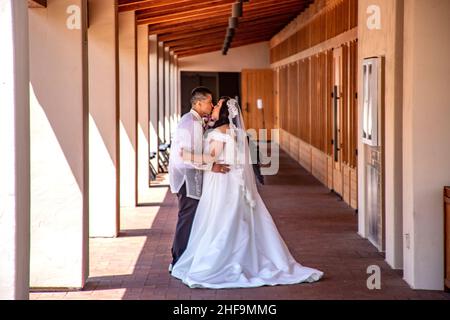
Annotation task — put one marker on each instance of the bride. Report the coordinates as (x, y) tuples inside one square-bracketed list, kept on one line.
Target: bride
[(234, 242)]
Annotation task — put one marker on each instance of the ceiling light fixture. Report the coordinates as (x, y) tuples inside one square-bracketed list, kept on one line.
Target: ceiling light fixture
[(237, 10)]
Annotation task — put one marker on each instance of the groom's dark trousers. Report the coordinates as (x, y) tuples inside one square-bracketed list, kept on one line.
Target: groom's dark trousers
[(186, 212)]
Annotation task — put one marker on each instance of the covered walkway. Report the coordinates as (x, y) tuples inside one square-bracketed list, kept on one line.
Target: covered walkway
[(319, 229), (353, 92)]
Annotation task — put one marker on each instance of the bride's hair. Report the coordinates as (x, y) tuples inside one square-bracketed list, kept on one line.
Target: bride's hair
[(223, 114)]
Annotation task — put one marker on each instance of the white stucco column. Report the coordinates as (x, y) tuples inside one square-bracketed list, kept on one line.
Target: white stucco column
[(143, 112), (128, 105), (161, 95), (172, 94), (167, 97), (385, 41), (15, 144), (153, 89), (59, 144), (426, 132), (103, 119), (178, 89)]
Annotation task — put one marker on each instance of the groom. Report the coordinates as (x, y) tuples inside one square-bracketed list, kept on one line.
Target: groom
[(186, 179)]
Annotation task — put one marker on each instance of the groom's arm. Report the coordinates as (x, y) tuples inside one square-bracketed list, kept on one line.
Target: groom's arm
[(216, 148), (190, 137), (208, 160)]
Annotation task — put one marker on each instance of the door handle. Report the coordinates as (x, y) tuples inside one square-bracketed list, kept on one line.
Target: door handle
[(336, 135)]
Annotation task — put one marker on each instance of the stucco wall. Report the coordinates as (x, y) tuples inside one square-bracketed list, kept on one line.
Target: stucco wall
[(387, 42), (59, 155), (426, 138), (254, 56)]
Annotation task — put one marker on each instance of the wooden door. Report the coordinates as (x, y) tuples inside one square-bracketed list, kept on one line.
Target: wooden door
[(258, 85), (337, 120)]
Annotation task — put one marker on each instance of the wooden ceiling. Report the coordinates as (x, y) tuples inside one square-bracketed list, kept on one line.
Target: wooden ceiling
[(190, 27), (37, 3)]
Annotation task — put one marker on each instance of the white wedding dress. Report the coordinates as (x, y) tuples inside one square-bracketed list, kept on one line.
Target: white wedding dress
[(234, 242)]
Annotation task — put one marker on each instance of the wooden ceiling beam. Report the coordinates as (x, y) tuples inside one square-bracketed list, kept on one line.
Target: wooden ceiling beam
[(196, 14), (217, 30), (188, 34), (222, 12), (174, 9), (221, 21), (135, 5), (191, 26), (210, 6), (175, 27), (218, 41), (186, 53), (220, 36), (37, 3)]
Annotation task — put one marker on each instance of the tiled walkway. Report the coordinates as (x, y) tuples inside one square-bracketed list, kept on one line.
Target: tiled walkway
[(319, 229)]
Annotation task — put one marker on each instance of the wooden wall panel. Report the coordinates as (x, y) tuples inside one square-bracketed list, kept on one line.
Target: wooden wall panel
[(319, 165), (329, 102), (304, 101), (293, 100), (276, 98), (305, 85), (330, 164), (283, 95), (353, 188), (353, 104), (345, 125), (294, 149), (346, 184), (337, 17), (353, 13), (284, 140), (318, 101), (305, 155)]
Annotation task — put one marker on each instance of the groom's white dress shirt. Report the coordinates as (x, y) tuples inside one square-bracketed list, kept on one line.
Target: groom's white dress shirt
[(189, 136)]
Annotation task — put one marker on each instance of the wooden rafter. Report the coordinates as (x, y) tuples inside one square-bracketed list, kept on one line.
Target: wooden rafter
[(174, 9), (219, 37), (37, 3), (134, 5), (195, 36), (174, 28), (206, 49)]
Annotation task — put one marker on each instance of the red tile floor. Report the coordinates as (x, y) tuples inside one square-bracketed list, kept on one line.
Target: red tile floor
[(319, 229)]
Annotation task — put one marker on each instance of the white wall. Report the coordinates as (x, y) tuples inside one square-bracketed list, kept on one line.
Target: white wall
[(384, 42), (128, 103), (143, 111), (426, 138), (254, 56), (14, 146), (103, 115), (167, 97), (153, 85), (59, 146), (161, 94)]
